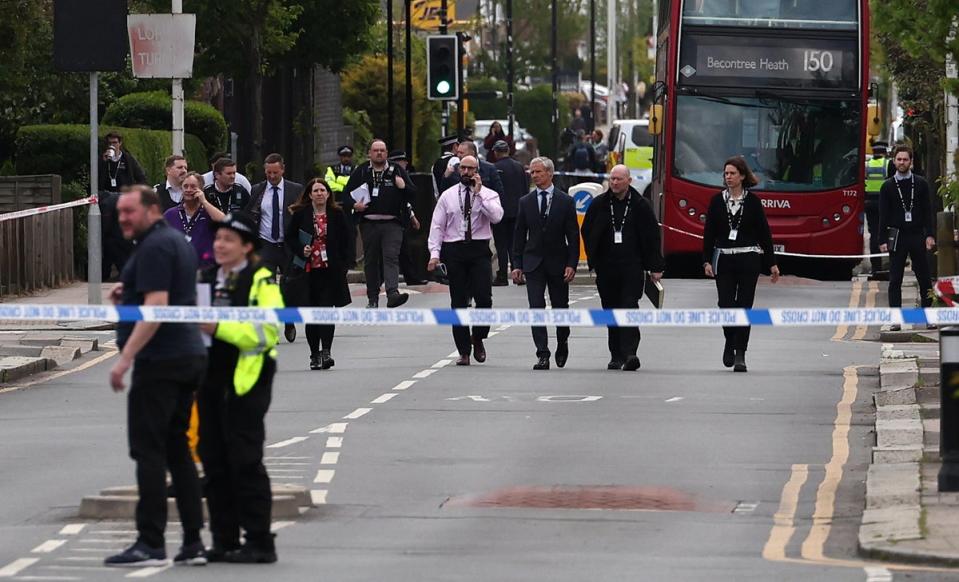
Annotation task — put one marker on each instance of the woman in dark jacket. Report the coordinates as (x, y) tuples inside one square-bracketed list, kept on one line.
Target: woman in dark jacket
[(318, 237), (737, 245)]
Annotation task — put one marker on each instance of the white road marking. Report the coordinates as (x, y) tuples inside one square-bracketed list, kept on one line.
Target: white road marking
[(454, 355), (324, 476), (47, 578), (746, 507), (334, 442), (144, 572), (16, 566), (278, 525), (318, 496), (287, 442), (568, 398), (877, 574), (492, 334), (273, 464), (47, 546), (674, 399), (424, 374), (334, 428), (357, 413), (440, 364), (405, 384), (330, 458), (80, 559), (72, 529), (384, 398), (473, 397)]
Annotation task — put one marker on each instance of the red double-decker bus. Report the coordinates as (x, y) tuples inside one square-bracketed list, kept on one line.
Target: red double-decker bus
[(783, 83)]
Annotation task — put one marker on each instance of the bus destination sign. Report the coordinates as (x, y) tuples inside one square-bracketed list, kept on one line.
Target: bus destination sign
[(732, 61)]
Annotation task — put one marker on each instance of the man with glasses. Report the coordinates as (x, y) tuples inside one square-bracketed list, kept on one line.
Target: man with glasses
[(460, 235)]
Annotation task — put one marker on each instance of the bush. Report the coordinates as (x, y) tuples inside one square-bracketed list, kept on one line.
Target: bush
[(533, 109), (65, 150), (154, 110)]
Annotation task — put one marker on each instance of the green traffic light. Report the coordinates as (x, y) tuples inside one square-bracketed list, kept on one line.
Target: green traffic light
[(443, 87)]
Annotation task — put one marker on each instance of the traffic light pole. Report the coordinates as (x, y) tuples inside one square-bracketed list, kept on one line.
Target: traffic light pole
[(409, 82), (592, 65), (509, 66), (389, 74), (553, 58), (443, 30), (460, 114)]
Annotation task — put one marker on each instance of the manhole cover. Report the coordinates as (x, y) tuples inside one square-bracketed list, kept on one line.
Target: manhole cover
[(585, 497)]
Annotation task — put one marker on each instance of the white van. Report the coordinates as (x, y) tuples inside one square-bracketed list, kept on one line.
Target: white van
[(631, 144)]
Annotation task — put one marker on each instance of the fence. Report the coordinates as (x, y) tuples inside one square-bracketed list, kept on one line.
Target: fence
[(36, 252)]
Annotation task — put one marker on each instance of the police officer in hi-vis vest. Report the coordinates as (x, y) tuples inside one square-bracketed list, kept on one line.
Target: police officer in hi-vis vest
[(876, 174)]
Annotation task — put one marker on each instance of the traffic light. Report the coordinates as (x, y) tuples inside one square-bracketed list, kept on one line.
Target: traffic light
[(443, 67)]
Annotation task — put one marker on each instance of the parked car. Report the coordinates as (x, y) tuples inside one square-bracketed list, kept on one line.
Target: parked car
[(481, 130)]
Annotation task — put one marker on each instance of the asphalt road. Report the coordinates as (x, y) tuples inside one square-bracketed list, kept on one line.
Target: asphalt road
[(680, 471)]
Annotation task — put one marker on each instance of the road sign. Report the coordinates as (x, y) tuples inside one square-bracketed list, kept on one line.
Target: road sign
[(427, 14), (161, 45)]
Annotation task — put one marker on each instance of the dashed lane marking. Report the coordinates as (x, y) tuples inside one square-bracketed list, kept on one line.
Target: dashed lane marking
[(405, 384), (287, 442), (358, 413), (441, 364), (17, 566), (674, 399), (48, 546), (72, 529), (877, 574), (318, 496), (383, 399), (333, 428), (424, 373), (324, 476), (334, 442), (330, 458)]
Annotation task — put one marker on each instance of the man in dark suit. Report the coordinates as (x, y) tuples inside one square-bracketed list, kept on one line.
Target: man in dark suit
[(269, 201), (515, 186), (171, 191), (545, 253)]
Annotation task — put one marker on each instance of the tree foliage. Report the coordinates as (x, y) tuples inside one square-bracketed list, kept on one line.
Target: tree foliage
[(925, 29)]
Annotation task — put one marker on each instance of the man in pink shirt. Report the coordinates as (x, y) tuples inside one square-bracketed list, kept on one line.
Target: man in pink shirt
[(460, 237)]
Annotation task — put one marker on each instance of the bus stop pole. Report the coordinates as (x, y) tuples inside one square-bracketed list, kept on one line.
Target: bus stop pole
[(94, 240), (949, 402)]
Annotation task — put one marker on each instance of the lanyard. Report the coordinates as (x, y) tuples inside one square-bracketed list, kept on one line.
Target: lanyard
[(612, 216), (735, 220), (912, 198), (189, 223), (466, 209)]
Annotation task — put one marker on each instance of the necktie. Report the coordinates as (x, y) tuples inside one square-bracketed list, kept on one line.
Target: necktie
[(275, 230), (542, 204), (468, 215)]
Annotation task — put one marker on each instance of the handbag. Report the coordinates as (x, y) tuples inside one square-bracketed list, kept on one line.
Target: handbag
[(295, 287)]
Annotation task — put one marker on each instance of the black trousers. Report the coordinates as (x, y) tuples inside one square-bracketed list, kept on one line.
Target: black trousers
[(503, 234), (275, 256), (912, 246), (468, 268), (620, 286), (232, 433), (158, 415), (872, 222), (538, 282), (736, 279), (322, 285)]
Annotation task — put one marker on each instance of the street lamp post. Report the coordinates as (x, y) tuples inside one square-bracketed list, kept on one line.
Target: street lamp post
[(554, 60)]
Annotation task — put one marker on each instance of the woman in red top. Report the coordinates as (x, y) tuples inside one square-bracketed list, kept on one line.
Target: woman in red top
[(318, 237)]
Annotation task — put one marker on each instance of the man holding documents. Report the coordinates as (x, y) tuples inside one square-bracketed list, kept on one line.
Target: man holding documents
[(545, 254), (377, 194), (906, 225), (622, 241)]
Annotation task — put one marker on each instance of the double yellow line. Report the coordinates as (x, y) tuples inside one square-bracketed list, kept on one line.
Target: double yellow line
[(859, 332)]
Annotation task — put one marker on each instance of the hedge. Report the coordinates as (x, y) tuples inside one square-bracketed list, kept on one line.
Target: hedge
[(533, 109), (65, 150), (154, 110)]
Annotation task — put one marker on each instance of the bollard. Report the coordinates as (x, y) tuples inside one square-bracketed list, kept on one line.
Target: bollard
[(945, 245), (949, 400)]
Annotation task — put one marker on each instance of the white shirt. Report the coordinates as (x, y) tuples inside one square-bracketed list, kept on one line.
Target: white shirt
[(240, 179), (176, 194), (266, 212)]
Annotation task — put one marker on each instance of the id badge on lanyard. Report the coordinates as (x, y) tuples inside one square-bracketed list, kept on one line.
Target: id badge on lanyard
[(376, 192), (323, 255), (733, 233), (113, 182), (908, 216), (617, 237)]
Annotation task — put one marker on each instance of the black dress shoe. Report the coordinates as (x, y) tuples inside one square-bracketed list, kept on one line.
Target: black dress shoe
[(218, 553), (315, 362), (614, 365), (326, 360), (289, 332), (631, 364), (728, 355), (416, 282), (542, 363), (479, 351), (562, 354), (740, 365), (463, 361), (250, 555), (500, 280), (397, 299)]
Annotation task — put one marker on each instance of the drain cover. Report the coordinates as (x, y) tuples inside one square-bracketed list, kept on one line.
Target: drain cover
[(584, 497)]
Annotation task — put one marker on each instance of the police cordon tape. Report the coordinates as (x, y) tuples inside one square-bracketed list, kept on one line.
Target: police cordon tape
[(44, 209), (784, 253), (798, 317)]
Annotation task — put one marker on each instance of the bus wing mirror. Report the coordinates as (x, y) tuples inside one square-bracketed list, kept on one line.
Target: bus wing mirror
[(655, 119), (873, 119)]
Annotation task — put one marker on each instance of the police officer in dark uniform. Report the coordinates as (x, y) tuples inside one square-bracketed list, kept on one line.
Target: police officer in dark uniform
[(448, 143)]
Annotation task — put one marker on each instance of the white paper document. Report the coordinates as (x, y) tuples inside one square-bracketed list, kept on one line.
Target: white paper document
[(361, 195)]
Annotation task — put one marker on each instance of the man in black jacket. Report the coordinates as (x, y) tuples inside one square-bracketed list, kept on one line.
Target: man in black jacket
[(546, 253), (906, 227), (515, 186), (171, 191), (622, 241), (379, 220), (487, 171), (118, 167)]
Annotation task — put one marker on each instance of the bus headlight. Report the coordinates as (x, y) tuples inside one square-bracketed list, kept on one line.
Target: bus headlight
[(683, 203), (846, 209), (825, 221), (702, 218), (692, 211), (837, 217)]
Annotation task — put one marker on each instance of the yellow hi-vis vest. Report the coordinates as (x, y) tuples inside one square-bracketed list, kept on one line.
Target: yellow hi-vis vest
[(256, 341), (875, 174), (337, 183)]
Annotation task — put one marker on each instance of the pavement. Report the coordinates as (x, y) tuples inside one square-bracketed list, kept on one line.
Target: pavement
[(906, 518)]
